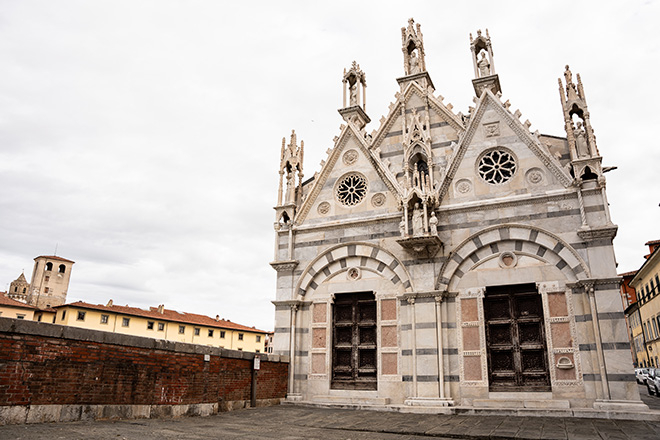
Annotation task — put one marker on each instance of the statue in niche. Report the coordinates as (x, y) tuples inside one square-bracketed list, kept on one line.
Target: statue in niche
[(581, 141), (414, 63), (483, 65), (353, 95), (290, 186), (417, 221), (402, 227), (433, 223)]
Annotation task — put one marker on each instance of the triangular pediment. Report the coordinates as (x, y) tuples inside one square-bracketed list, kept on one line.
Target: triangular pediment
[(477, 169), (350, 156), (413, 96)]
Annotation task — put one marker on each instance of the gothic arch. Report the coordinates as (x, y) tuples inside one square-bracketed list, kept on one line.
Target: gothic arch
[(522, 239), (339, 258)]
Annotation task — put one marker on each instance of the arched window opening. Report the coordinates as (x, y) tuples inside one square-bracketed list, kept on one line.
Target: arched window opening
[(62, 268), (419, 168), (15, 288), (24, 288), (49, 266), (587, 174)]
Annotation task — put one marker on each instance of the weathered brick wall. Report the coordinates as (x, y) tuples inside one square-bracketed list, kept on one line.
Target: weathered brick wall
[(47, 364)]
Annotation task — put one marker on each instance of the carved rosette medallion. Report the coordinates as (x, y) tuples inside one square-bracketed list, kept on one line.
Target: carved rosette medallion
[(350, 157), (378, 200), (323, 208), (535, 176), (463, 186), (508, 260)]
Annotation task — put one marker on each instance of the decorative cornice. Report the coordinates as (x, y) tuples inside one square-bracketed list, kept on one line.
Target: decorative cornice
[(591, 233), (284, 266)]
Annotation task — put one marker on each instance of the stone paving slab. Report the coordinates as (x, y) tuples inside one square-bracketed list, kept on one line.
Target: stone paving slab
[(291, 422)]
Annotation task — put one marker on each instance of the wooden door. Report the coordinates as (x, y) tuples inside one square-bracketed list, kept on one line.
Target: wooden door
[(515, 337), (354, 351)]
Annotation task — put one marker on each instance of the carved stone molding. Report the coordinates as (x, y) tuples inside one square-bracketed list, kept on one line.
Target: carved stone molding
[(598, 232), (421, 247), (284, 266)]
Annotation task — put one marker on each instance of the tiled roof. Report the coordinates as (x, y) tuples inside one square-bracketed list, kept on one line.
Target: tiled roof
[(55, 257), (6, 301), (167, 315), (628, 274), (652, 242)]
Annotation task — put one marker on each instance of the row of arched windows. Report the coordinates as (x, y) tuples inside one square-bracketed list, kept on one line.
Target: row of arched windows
[(61, 269)]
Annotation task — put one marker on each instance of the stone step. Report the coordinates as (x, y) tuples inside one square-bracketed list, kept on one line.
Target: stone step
[(522, 403), (351, 400)]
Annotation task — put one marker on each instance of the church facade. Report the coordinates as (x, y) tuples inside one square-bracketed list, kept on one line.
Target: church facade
[(450, 260)]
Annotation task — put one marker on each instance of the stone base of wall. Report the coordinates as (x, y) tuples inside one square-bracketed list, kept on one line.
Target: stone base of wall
[(26, 414)]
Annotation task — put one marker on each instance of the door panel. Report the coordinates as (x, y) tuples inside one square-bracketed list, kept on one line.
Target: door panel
[(515, 337), (354, 364)]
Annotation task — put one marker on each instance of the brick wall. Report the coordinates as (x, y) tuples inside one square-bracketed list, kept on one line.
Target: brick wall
[(48, 364)]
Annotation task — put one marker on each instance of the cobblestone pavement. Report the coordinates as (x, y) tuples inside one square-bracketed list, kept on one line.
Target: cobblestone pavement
[(298, 422), (652, 401)]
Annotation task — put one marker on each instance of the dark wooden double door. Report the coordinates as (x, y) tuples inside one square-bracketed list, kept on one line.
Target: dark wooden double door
[(515, 337), (354, 350)]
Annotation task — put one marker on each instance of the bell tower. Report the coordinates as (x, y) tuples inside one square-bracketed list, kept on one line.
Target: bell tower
[(414, 63), (19, 289), (484, 64), (355, 83), (50, 281)]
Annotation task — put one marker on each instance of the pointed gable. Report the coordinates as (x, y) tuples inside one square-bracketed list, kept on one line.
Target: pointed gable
[(498, 155), (352, 180)]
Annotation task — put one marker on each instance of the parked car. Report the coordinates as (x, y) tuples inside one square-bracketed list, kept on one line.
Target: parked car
[(641, 374), (653, 381)]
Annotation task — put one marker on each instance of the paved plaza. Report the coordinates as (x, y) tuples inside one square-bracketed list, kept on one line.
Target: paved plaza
[(299, 422)]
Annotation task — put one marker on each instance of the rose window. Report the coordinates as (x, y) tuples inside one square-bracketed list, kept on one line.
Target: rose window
[(352, 189), (497, 167)]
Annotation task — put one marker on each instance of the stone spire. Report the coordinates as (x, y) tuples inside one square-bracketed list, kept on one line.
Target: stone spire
[(291, 168), (355, 85), (579, 133), (414, 63), (484, 64), (413, 48)]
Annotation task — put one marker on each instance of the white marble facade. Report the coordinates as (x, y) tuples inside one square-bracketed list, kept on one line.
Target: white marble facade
[(429, 213)]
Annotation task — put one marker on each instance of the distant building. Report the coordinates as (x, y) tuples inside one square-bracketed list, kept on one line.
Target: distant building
[(159, 323), (49, 284), (10, 308), (644, 315)]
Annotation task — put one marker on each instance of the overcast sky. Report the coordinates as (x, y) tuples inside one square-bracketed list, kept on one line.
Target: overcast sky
[(142, 138)]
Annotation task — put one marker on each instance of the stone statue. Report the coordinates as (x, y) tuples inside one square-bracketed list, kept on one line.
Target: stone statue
[(414, 63), (433, 223), (290, 186), (581, 141), (402, 227), (483, 65), (354, 97), (417, 221)]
